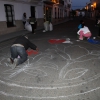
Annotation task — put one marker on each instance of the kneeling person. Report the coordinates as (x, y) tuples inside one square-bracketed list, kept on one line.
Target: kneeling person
[(84, 32), (19, 48)]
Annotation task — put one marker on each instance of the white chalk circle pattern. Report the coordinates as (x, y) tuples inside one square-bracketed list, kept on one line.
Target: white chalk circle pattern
[(53, 74)]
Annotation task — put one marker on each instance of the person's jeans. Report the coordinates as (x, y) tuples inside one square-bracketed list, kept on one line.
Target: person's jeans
[(24, 24), (88, 35), (33, 27), (18, 51)]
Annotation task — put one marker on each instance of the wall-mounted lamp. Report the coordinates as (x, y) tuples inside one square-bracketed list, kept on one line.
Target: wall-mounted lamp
[(94, 5), (91, 5)]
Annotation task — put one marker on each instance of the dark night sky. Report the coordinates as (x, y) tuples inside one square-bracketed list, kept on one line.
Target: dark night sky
[(79, 4)]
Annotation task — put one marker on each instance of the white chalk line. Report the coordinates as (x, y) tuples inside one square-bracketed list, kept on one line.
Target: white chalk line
[(82, 93), (36, 73), (81, 73), (48, 55), (63, 69), (62, 75), (22, 69), (52, 87), (49, 97), (65, 53)]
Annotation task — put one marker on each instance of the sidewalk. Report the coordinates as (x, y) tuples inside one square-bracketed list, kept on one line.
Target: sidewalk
[(12, 35)]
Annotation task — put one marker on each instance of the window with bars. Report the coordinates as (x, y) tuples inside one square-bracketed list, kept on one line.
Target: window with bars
[(10, 17)]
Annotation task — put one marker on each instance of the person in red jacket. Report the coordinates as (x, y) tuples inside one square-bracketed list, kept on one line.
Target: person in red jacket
[(19, 48)]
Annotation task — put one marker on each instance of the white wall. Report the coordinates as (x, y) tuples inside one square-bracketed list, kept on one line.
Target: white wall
[(39, 12), (19, 9), (2, 11)]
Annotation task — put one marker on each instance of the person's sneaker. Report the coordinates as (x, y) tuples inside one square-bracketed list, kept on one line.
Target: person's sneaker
[(10, 60), (14, 63), (80, 38)]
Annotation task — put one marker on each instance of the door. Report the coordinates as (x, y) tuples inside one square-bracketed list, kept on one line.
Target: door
[(33, 11), (33, 14)]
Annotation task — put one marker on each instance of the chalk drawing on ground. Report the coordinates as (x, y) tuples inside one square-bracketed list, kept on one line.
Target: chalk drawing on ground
[(56, 73)]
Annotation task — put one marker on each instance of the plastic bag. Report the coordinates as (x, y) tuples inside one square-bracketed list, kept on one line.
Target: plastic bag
[(28, 27), (46, 26), (50, 27), (93, 41)]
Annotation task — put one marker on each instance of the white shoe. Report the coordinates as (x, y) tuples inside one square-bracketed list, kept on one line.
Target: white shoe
[(14, 63), (80, 38)]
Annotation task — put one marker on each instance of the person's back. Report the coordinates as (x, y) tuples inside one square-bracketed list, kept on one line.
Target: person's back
[(23, 40), (85, 29)]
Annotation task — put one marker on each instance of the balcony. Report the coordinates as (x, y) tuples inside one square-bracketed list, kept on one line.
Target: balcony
[(61, 2)]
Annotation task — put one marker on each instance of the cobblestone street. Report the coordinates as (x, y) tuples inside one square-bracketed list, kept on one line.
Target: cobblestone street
[(60, 71)]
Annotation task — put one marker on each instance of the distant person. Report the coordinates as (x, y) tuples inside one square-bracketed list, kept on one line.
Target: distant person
[(98, 23), (81, 24), (18, 51), (84, 32), (97, 18), (24, 19), (83, 14), (33, 23), (78, 13)]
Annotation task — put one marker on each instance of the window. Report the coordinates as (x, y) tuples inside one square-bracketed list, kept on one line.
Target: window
[(10, 17), (58, 13), (55, 13)]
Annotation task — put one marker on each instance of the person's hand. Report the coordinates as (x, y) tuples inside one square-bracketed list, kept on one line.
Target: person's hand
[(37, 49)]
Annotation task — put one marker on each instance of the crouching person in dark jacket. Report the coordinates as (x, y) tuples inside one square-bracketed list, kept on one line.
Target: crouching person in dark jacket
[(18, 51)]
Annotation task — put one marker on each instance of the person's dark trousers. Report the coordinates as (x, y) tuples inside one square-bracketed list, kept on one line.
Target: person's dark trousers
[(24, 24), (99, 31), (18, 51), (96, 21), (33, 28)]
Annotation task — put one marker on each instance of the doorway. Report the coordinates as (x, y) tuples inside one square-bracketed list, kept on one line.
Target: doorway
[(32, 11)]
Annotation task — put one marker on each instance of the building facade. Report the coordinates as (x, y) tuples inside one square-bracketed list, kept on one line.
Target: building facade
[(93, 8), (11, 12)]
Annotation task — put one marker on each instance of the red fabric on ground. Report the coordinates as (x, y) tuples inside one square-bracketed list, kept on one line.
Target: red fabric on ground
[(56, 41), (30, 52)]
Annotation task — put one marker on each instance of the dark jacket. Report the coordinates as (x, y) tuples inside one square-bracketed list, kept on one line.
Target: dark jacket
[(32, 20), (25, 42)]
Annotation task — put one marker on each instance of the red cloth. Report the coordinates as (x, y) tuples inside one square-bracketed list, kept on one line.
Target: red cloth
[(56, 41), (30, 52)]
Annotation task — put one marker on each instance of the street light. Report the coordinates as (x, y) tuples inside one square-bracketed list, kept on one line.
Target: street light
[(92, 7)]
